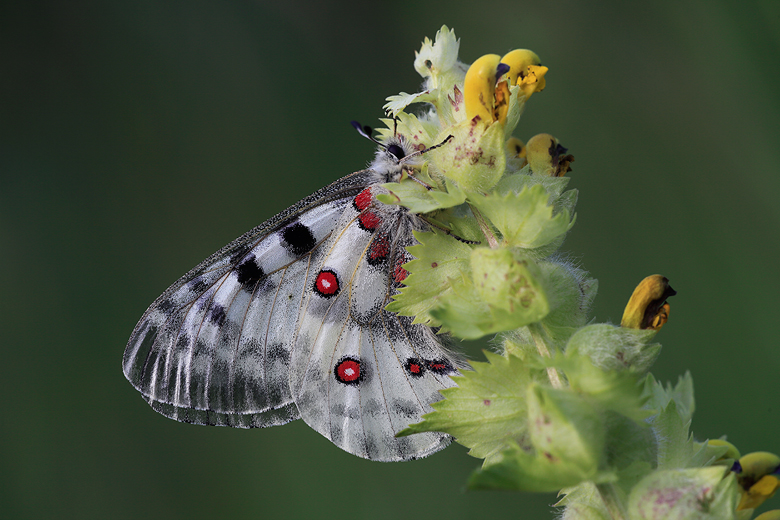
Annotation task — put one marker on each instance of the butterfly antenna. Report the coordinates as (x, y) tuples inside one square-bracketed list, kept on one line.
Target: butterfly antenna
[(366, 132), (420, 152)]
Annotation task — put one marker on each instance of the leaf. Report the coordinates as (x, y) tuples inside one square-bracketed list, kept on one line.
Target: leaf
[(565, 446), (487, 411), (418, 199), (676, 446), (440, 261), (570, 292), (464, 312), (618, 391), (524, 219), (476, 158)]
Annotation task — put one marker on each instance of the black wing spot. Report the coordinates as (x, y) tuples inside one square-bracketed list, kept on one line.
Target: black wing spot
[(277, 352), (299, 239), (249, 273), (217, 315)]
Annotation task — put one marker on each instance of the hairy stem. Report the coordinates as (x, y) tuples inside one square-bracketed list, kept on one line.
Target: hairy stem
[(608, 494), (541, 347), (485, 228)]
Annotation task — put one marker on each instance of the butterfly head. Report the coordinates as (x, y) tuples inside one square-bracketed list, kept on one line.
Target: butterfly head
[(393, 158)]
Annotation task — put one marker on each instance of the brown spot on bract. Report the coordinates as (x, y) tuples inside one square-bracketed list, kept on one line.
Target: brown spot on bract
[(486, 402), (434, 265)]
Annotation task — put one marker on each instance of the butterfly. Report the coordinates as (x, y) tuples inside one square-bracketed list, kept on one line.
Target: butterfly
[(288, 322)]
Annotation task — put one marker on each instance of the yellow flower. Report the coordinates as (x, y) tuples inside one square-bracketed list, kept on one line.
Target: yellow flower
[(547, 156), (525, 70), (479, 88), (647, 308), (757, 476)]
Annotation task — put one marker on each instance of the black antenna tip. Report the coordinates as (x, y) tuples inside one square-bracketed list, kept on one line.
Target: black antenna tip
[(365, 131)]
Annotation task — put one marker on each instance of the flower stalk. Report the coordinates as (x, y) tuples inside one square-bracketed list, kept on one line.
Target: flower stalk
[(563, 404)]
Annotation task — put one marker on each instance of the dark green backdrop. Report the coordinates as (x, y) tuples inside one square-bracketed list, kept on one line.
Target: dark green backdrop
[(136, 138)]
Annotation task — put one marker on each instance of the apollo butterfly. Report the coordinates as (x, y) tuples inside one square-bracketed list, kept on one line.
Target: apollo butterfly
[(289, 321)]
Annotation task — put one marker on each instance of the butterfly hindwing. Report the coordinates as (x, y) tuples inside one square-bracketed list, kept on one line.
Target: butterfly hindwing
[(351, 375)]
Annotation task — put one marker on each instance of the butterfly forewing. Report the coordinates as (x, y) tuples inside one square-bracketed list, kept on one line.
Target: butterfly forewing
[(287, 322), (214, 339)]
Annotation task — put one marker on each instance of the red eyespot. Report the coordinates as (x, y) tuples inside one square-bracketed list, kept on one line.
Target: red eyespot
[(326, 284), (378, 250), (369, 221), (347, 371), (400, 274), (363, 199), (414, 367)]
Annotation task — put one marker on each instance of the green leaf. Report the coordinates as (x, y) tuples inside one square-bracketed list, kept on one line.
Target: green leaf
[(440, 261), (564, 447), (464, 311), (475, 159), (570, 292), (676, 446), (583, 502), (517, 182), (418, 199), (619, 391), (524, 219), (486, 412)]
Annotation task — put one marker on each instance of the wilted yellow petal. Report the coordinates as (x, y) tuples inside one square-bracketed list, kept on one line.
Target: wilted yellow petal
[(757, 478), (647, 308), (547, 157)]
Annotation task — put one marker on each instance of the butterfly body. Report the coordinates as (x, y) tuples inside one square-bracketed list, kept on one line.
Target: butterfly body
[(288, 322)]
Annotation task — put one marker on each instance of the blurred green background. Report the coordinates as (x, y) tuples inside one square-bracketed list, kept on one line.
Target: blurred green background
[(136, 138)]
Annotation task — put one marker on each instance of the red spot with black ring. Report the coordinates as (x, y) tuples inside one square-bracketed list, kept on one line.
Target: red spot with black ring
[(348, 371), (327, 284), (414, 367)]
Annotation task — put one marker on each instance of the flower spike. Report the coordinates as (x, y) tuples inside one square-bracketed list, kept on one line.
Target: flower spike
[(647, 308)]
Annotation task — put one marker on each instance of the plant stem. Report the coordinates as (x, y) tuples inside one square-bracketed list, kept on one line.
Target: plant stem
[(609, 496), (541, 346), (483, 226)]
